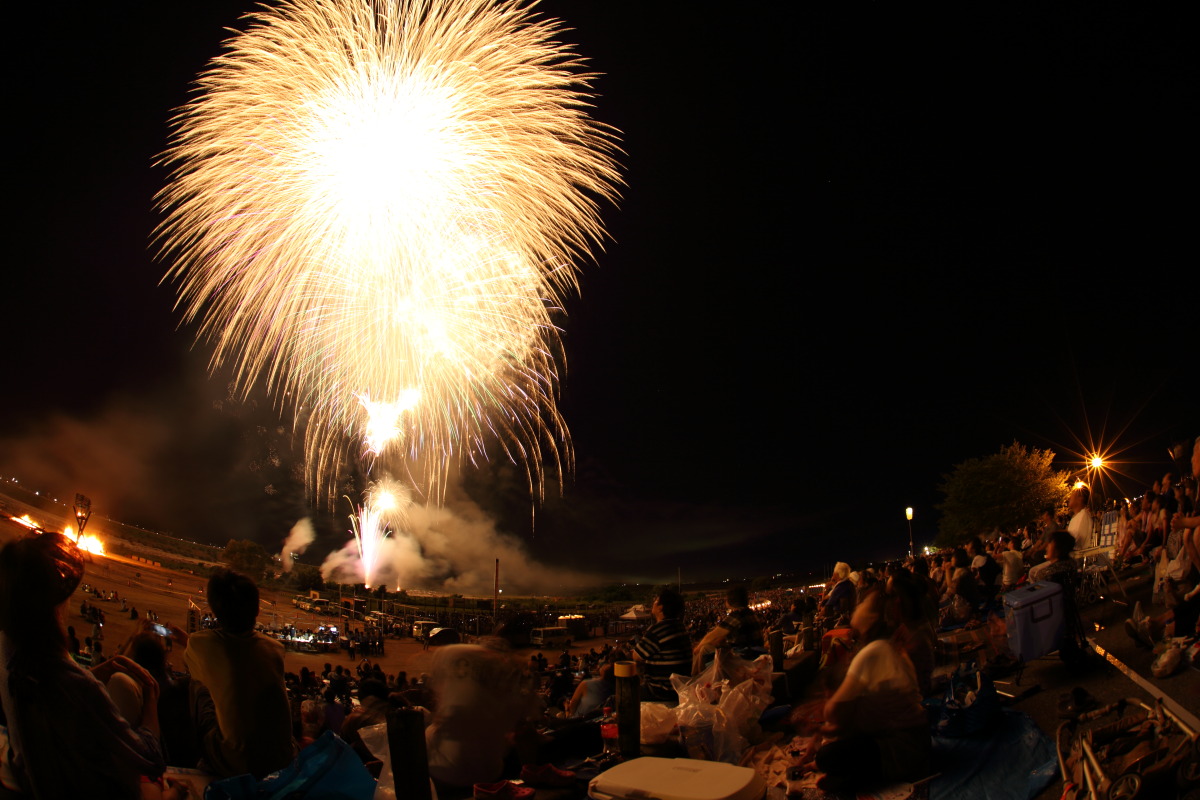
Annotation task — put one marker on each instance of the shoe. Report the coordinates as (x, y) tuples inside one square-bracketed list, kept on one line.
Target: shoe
[(502, 790), (547, 776)]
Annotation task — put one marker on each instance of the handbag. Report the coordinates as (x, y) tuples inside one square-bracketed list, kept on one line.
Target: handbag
[(970, 706), (328, 769)]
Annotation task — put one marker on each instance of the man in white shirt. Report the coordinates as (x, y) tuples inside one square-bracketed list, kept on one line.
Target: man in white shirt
[(1012, 563), (1080, 526)]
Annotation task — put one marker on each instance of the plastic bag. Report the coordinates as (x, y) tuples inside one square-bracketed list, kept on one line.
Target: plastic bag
[(1167, 662), (719, 708), (658, 722), (375, 739), (327, 769)]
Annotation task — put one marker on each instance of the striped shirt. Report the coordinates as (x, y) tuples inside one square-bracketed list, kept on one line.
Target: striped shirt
[(665, 648)]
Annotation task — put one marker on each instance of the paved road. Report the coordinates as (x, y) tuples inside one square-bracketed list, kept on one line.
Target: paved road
[(1106, 681)]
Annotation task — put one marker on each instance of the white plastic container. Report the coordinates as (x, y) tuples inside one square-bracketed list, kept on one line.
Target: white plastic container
[(677, 779), (1035, 619)]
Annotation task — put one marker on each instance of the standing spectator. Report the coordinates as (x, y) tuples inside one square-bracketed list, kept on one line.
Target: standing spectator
[(243, 718), (1080, 526)]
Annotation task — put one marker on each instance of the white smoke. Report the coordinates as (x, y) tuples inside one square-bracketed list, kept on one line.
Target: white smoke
[(453, 548), (299, 538)]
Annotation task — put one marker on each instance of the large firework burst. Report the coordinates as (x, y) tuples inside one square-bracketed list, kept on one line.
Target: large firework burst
[(376, 207)]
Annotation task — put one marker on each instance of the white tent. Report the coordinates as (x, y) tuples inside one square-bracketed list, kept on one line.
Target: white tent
[(637, 612)]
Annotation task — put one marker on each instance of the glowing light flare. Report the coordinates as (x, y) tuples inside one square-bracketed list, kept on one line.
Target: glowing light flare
[(384, 420), (1097, 462)]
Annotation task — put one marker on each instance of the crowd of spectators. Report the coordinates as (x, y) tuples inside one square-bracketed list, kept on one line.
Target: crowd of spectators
[(235, 710)]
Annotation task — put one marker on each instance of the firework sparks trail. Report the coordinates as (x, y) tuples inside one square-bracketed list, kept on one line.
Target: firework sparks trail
[(386, 505), (376, 208)]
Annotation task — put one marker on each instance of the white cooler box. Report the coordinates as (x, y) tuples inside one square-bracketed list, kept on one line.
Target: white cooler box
[(1035, 619), (677, 779)]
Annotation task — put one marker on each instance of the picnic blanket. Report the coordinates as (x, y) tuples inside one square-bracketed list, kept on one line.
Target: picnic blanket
[(1014, 761)]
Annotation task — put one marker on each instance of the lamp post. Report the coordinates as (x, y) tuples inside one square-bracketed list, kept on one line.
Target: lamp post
[(83, 512), (908, 513)]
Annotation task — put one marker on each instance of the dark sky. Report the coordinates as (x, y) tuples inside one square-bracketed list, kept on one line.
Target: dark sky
[(860, 243)]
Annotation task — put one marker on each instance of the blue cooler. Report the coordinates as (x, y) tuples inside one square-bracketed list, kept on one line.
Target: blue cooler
[(1035, 619)]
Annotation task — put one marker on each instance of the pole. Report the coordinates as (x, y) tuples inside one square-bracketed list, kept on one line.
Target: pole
[(496, 596)]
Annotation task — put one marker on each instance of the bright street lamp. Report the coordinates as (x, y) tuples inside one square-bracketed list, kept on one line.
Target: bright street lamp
[(908, 513)]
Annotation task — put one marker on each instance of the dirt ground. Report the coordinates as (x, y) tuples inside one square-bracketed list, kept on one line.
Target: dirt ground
[(167, 593)]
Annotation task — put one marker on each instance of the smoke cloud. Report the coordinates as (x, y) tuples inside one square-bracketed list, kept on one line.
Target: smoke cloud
[(298, 540), (453, 548)]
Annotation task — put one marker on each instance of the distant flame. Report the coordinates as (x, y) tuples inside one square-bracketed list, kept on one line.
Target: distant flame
[(88, 543), (91, 544)]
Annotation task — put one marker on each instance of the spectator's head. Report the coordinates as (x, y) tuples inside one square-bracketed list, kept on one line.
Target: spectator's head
[(841, 571), (1061, 545), (37, 574), (1079, 499), (234, 600), (372, 687), (670, 603), (147, 650), (869, 620), (975, 546), (1047, 517), (736, 597), (606, 673), (904, 593), (960, 558)]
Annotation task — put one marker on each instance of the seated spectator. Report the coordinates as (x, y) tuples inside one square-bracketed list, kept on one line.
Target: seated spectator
[(147, 649), (482, 696), (66, 737), (740, 631), (912, 613), (878, 732), (840, 597), (665, 648), (590, 695), (962, 581), (240, 706), (335, 712), (1058, 558), (1011, 563), (984, 567), (372, 709)]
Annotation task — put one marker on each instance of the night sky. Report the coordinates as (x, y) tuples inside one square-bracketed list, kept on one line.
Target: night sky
[(859, 243)]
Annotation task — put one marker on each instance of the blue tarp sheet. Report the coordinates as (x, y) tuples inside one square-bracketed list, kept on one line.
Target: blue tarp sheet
[(1013, 761)]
